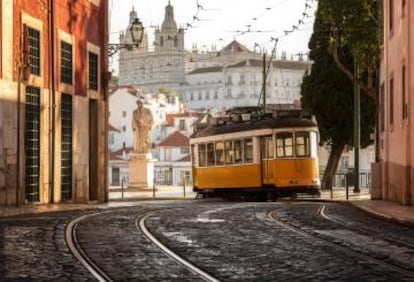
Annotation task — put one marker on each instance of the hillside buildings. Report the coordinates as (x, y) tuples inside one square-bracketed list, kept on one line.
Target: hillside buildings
[(206, 80), (53, 136)]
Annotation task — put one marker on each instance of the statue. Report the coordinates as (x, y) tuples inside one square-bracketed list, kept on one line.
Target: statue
[(141, 128)]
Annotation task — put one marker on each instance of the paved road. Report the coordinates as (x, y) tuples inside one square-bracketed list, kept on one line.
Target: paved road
[(229, 240)]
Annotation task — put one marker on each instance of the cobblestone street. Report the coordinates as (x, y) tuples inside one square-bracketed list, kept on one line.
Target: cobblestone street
[(229, 241)]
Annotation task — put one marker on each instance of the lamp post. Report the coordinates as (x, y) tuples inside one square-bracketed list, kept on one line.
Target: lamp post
[(137, 33)]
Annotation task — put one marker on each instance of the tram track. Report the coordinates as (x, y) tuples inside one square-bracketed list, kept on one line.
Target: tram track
[(322, 212), (141, 226), (349, 251), (74, 246), (71, 239)]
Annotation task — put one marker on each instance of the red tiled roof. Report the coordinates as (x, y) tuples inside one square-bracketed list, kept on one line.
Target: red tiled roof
[(131, 90), (114, 157), (112, 128), (127, 150), (185, 159), (175, 139)]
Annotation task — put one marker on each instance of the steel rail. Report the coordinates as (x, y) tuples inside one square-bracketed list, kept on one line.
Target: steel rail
[(321, 211), (351, 252), (73, 245), (140, 225)]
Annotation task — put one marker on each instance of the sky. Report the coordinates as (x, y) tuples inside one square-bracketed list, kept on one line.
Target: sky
[(210, 23)]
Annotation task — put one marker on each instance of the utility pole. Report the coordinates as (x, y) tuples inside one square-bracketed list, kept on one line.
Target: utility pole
[(357, 125), (264, 82)]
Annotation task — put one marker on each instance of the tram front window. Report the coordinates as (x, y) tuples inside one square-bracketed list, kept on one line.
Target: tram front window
[(302, 144), (284, 144)]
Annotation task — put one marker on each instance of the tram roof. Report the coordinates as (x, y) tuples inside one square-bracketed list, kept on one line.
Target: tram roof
[(254, 125)]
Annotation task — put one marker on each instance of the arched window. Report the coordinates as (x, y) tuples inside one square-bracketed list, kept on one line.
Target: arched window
[(175, 41), (161, 41)]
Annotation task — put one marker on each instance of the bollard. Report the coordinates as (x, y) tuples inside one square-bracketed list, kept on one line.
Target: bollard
[(122, 189), (153, 188)]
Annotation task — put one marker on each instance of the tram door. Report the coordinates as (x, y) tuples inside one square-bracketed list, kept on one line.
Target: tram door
[(267, 155)]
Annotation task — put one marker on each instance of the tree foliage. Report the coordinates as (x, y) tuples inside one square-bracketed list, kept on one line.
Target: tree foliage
[(328, 92), (353, 25)]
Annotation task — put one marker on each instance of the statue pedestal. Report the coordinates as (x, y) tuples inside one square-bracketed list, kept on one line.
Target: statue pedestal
[(141, 171)]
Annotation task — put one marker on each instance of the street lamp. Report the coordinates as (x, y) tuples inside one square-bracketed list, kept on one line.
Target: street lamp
[(137, 33)]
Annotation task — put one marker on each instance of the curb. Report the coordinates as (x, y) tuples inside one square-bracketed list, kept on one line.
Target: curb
[(386, 217)]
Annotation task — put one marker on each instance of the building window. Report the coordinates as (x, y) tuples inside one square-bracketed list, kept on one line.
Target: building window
[(168, 154), (191, 96), (391, 14), (199, 96), (185, 150), (161, 41), (207, 95), (175, 41), (124, 114), (392, 101), (242, 81), (66, 62), (182, 124), (93, 71), (34, 50), (404, 98), (215, 95), (124, 128), (229, 80)]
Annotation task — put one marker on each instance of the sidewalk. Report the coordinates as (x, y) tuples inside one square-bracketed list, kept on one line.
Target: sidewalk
[(385, 209), (391, 211)]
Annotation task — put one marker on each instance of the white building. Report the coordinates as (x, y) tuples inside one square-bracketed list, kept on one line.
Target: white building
[(174, 163), (240, 84)]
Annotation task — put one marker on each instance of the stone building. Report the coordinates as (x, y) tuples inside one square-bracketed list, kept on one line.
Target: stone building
[(161, 67), (53, 68), (393, 175)]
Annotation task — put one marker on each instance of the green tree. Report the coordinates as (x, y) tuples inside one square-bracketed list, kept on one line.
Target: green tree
[(353, 25), (328, 92)]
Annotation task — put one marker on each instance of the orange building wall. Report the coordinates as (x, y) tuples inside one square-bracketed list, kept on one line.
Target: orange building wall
[(80, 18)]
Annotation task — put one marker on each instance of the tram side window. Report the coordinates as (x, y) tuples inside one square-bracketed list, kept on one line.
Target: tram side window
[(229, 154), (284, 144), (248, 150), (210, 154), (238, 152), (202, 154), (302, 144), (219, 153)]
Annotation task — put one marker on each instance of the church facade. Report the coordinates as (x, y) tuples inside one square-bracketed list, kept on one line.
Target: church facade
[(162, 67)]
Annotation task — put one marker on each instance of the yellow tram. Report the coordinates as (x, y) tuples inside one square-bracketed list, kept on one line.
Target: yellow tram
[(249, 154)]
